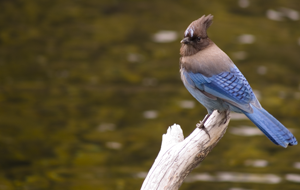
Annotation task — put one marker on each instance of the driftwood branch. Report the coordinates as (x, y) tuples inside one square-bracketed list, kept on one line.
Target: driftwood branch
[(179, 156)]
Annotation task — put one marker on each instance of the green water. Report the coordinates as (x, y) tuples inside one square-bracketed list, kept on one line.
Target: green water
[(76, 78)]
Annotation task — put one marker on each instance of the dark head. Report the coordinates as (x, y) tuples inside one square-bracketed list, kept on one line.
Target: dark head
[(195, 37)]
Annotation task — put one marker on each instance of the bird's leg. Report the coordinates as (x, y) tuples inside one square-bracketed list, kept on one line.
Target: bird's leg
[(200, 125)]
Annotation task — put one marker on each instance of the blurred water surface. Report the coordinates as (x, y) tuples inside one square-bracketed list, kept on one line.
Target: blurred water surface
[(88, 87)]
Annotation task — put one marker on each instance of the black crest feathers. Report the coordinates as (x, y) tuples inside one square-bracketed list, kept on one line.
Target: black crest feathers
[(199, 27)]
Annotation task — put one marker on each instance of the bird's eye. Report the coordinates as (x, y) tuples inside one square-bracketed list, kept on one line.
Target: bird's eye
[(198, 39)]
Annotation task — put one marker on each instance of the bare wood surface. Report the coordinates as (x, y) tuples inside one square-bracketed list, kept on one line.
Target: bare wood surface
[(179, 156)]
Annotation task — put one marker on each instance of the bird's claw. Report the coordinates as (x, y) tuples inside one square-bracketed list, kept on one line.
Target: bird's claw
[(200, 125)]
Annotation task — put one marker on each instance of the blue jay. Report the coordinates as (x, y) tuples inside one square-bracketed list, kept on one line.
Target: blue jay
[(213, 79)]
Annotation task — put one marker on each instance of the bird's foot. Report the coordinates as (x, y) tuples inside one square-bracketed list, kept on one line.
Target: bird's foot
[(200, 125)]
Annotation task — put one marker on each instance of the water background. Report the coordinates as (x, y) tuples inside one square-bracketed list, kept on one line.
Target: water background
[(88, 87)]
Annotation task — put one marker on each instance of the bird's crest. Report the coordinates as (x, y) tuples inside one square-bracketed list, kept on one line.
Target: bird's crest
[(199, 27)]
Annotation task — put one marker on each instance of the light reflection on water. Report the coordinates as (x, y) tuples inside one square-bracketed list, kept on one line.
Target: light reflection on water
[(106, 127), (187, 104), (165, 36), (237, 188), (141, 175), (235, 177), (256, 163), (113, 145), (245, 131), (297, 165), (150, 114), (248, 131), (237, 116), (293, 177)]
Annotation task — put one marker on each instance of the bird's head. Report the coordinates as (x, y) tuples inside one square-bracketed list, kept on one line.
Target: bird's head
[(195, 37)]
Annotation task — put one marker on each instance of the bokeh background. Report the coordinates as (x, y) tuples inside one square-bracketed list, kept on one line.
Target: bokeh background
[(88, 87)]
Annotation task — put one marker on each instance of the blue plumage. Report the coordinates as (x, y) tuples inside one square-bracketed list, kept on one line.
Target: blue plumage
[(213, 79), (230, 90), (231, 87), (271, 127)]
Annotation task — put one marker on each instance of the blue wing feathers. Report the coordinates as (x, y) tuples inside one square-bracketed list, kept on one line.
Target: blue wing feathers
[(230, 90), (197, 80), (228, 86)]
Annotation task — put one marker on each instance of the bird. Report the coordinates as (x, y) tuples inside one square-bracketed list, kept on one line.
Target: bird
[(213, 79)]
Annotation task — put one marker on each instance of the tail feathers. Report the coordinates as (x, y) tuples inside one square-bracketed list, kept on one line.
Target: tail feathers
[(271, 127)]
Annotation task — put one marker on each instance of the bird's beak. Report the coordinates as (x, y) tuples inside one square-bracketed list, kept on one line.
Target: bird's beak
[(185, 40)]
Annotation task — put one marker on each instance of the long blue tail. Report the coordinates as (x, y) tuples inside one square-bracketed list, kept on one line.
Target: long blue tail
[(271, 127)]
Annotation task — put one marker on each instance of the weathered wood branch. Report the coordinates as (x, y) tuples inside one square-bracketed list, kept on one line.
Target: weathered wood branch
[(179, 156)]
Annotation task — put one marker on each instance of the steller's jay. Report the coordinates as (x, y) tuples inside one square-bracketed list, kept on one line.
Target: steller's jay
[(213, 79)]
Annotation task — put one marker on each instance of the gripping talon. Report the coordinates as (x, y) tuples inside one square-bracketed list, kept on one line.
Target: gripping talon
[(200, 125)]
